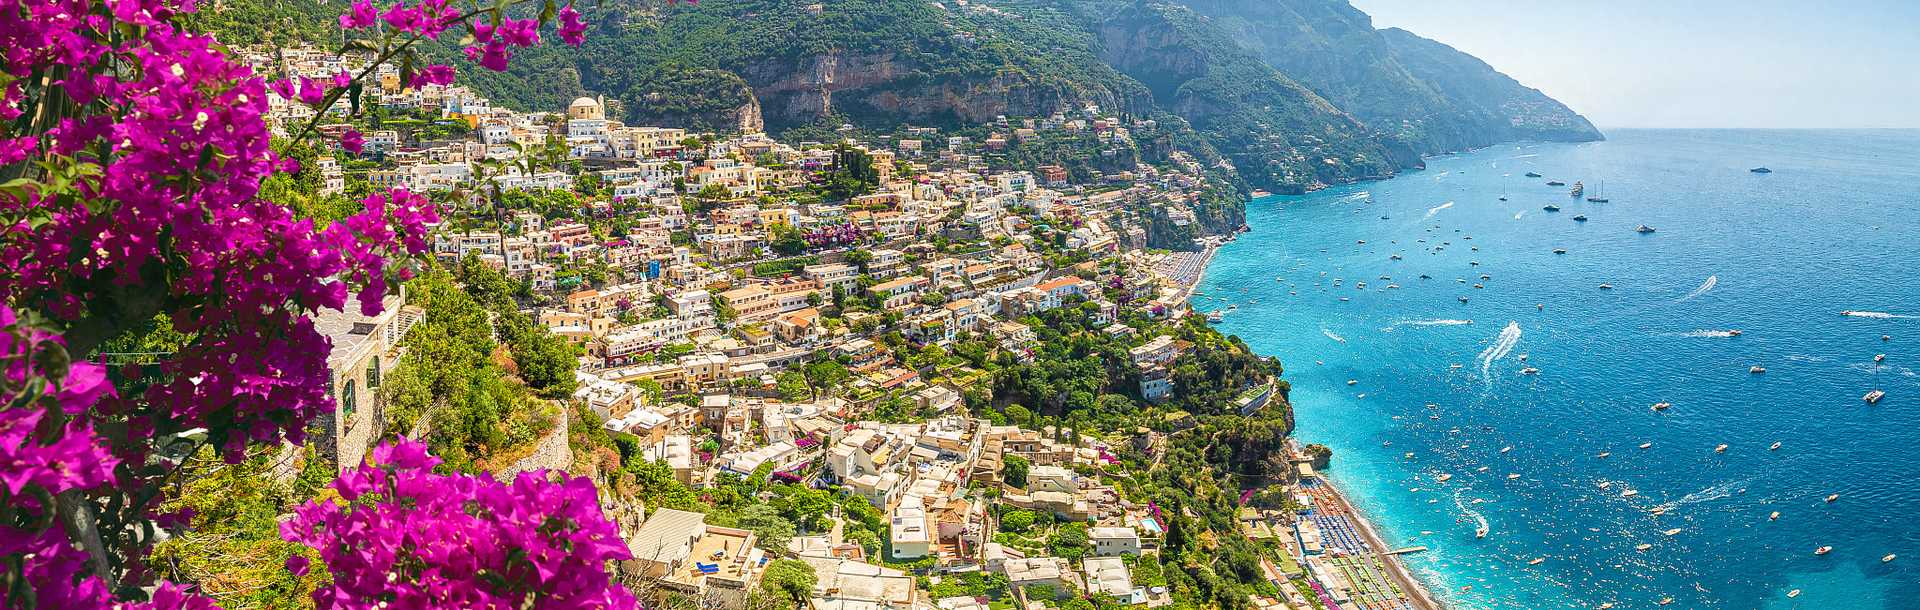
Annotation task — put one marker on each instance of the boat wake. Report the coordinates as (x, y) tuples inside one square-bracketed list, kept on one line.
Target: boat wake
[(1868, 367), (1480, 525), (1705, 286), (1877, 315), (1356, 196), (1331, 335), (1426, 323), (1502, 345), (1709, 494), (1709, 333), (1436, 210), (1517, 215)]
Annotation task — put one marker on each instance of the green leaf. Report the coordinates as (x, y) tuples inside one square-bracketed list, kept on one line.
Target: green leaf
[(546, 12), (360, 44), (353, 97), (407, 67)]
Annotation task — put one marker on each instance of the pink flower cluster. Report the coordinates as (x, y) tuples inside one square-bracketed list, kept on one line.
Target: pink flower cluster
[(180, 152), (495, 43), (39, 454), (405, 537), (148, 204)]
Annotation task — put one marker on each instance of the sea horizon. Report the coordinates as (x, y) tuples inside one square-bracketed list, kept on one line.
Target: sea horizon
[(1674, 295)]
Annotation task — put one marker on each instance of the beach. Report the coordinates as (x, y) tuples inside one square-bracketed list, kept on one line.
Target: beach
[(1187, 269), (1416, 592)]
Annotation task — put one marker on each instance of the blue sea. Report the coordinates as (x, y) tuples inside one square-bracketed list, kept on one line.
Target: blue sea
[(1439, 386)]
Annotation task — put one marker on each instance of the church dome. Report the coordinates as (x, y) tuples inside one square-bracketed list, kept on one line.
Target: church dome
[(586, 108)]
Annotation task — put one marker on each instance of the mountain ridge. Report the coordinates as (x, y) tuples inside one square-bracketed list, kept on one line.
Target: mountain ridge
[(1296, 94)]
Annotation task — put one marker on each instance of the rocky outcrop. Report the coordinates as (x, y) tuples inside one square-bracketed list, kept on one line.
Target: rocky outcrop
[(1422, 94), (888, 87), (1280, 135)]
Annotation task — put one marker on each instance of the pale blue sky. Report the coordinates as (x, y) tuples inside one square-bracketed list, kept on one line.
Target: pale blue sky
[(1693, 63)]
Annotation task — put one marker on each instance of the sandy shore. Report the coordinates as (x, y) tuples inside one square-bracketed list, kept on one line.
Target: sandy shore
[(1417, 592), (1186, 290)]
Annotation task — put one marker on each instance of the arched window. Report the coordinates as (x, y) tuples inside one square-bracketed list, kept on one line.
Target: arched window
[(373, 373), (347, 400)]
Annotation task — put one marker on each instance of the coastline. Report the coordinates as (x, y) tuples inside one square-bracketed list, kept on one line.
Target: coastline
[(1415, 590)]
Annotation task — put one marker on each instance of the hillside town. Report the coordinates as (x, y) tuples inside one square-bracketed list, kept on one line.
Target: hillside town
[(780, 319)]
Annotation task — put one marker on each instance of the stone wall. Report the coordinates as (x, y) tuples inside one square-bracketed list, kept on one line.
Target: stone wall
[(552, 454)]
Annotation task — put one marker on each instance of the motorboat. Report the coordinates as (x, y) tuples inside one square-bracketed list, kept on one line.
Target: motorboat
[(1580, 218), (1720, 449), (1822, 550), (1559, 250), (1533, 175), (1832, 498), (1643, 229), (1761, 170), (1529, 371), (1606, 286), (1550, 208)]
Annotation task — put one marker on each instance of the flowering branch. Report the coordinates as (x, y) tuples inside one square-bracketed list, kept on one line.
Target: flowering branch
[(133, 190)]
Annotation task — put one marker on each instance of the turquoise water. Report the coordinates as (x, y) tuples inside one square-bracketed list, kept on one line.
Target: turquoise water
[(1836, 227)]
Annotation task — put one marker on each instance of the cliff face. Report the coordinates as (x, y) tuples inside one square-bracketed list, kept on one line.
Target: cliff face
[(886, 87), (1291, 94), (1509, 109), (1421, 93), (1279, 134)]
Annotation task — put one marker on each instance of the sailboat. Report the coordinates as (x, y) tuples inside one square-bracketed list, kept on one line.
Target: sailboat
[(1602, 197)]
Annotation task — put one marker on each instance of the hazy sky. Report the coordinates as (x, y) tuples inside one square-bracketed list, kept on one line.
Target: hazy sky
[(1693, 63)]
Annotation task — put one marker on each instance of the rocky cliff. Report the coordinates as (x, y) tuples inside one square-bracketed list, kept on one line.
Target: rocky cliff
[(1418, 92), (1281, 135), (1292, 94)]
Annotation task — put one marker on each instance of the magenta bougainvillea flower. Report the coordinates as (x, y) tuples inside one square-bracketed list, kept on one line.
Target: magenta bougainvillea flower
[(406, 537), (149, 205)]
